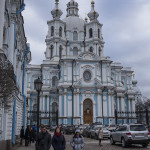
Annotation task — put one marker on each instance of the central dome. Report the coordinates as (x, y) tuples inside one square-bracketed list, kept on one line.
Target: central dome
[(74, 22)]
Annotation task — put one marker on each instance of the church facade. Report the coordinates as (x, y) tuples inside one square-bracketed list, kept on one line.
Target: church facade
[(80, 84)]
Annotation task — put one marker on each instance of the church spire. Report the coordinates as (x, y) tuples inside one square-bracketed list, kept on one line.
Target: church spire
[(56, 12), (93, 15), (72, 8)]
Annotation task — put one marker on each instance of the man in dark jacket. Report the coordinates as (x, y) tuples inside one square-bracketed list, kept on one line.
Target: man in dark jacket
[(43, 140), (21, 135)]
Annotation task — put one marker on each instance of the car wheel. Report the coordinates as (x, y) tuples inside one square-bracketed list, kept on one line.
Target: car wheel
[(112, 142), (124, 144), (145, 145)]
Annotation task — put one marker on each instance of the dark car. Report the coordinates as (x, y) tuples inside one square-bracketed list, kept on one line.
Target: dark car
[(86, 132), (69, 129), (53, 127)]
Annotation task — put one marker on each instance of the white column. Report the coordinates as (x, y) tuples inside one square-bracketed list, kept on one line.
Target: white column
[(81, 113), (109, 105), (47, 103), (12, 38), (77, 102), (2, 9), (65, 102), (99, 101), (60, 105)]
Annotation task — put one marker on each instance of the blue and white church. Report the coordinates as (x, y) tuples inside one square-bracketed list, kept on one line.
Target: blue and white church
[(80, 84)]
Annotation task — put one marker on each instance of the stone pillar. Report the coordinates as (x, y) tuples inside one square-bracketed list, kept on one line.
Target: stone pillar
[(75, 104), (12, 38), (2, 9), (99, 103), (60, 105), (65, 102), (77, 113)]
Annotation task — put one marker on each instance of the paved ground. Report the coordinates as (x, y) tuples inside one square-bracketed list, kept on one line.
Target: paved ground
[(91, 144)]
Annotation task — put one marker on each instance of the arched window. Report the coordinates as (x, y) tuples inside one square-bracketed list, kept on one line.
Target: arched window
[(60, 31), (52, 31), (60, 51), (100, 51), (90, 33), (54, 81), (75, 51), (91, 49), (75, 35), (34, 114), (54, 112), (51, 50), (99, 33)]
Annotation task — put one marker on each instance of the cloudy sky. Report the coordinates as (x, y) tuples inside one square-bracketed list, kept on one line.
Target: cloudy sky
[(126, 31)]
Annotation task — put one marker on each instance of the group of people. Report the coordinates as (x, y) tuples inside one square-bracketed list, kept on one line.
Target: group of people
[(29, 136), (58, 142)]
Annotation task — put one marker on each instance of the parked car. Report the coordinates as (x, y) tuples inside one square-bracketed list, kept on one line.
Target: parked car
[(63, 127), (69, 129), (87, 131), (53, 127), (82, 127), (130, 134), (94, 131), (111, 127)]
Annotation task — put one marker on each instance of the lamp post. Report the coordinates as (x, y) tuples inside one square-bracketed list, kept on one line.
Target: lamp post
[(38, 86)]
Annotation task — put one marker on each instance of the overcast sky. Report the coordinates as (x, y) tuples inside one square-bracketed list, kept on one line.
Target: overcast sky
[(126, 31)]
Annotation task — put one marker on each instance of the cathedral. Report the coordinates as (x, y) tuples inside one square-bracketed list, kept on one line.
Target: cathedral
[(80, 84)]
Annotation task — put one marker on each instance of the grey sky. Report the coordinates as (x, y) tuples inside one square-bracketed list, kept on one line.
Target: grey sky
[(126, 31)]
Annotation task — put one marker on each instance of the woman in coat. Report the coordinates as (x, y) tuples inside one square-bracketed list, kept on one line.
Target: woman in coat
[(100, 135), (77, 142), (58, 141)]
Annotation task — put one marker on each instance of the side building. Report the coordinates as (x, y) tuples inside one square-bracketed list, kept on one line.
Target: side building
[(14, 56), (80, 84)]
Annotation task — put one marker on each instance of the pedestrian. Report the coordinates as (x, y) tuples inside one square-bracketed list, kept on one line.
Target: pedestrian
[(58, 141), (100, 135), (31, 135), (43, 141), (77, 142), (27, 135), (21, 135), (34, 132)]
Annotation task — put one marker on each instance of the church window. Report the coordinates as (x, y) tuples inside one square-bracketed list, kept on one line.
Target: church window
[(51, 50), (52, 31), (99, 33), (54, 81), (60, 51), (75, 35), (60, 31), (99, 51), (34, 112), (91, 49), (75, 51), (87, 76), (54, 112), (90, 33)]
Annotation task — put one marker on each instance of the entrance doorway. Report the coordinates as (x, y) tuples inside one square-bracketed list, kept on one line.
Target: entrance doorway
[(88, 111)]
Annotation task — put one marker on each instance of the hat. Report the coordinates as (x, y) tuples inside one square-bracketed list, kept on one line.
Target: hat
[(77, 131)]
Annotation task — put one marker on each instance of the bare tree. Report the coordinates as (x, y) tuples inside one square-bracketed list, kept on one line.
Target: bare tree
[(7, 82)]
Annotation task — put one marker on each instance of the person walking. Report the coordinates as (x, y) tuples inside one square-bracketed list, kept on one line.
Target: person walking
[(58, 140), (100, 135), (27, 135), (43, 141), (77, 142), (21, 135)]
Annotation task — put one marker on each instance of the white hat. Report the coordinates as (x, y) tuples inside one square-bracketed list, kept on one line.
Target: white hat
[(77, 131)]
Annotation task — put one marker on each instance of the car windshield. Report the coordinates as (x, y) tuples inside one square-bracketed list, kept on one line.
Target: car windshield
[(112, 125), (137, 128)]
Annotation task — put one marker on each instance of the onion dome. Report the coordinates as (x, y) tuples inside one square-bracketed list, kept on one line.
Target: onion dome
[(72, 8), (56, 12), (93, 15)]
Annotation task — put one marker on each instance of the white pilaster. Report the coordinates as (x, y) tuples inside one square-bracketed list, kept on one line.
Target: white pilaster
[(65, 102), (12, 38), (60, 105), (99, 103), (77, 103), (2, 9)]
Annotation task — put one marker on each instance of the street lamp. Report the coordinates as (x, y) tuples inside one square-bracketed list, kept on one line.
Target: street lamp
[(38, 86)]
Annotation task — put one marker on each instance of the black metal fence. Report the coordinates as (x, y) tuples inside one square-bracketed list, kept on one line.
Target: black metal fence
[(45, 117), (140, 116)]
